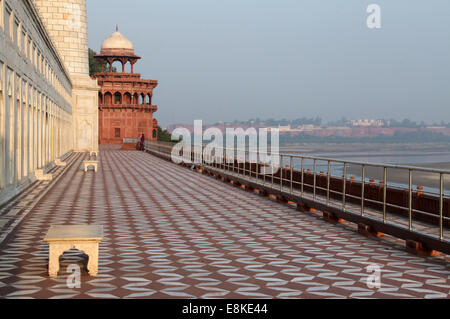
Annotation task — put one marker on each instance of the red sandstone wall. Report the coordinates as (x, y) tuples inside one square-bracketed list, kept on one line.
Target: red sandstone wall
[(131, 123)]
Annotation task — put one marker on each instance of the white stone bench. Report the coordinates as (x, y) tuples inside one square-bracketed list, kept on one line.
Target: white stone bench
[(59, 163), (89, 163), (85, 238), (41, 176)]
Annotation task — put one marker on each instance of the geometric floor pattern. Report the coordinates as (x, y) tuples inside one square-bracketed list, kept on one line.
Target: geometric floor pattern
[(174, 233), (12, 212)]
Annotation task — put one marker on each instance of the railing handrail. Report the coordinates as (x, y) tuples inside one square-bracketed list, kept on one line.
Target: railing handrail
[(342, 161)]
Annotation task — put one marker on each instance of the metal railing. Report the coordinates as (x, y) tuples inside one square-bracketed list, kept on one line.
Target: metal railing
[(391, 194)]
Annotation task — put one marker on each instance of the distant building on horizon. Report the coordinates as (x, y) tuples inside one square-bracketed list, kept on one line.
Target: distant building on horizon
[(367, 123)]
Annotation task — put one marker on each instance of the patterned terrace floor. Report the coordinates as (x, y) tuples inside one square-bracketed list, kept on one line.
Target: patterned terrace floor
[(173, 233)]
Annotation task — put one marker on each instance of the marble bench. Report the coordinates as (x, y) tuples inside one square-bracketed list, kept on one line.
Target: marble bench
[(85, 238), (59, 163), (41, 176), (90, 163)]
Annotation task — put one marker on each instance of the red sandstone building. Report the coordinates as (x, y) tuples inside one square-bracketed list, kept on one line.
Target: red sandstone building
[(125, 100)]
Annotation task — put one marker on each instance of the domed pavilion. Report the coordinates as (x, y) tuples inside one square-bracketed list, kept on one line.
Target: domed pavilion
[(125, 100)]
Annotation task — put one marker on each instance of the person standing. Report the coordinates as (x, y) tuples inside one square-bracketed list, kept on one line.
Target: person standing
[(142, 148)]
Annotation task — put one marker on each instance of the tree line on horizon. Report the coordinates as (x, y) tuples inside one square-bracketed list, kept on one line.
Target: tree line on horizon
[(397, 138)]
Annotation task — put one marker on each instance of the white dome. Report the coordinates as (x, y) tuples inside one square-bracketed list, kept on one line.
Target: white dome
[(117, 41)]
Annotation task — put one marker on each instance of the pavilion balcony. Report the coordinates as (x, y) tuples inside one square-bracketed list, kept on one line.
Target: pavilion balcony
[(144, 107)]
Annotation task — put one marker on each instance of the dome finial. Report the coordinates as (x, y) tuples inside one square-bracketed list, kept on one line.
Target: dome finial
[(117, 41), (117, 28)]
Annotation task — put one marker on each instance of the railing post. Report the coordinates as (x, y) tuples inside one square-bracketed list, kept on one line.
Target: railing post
[(410, 201), (246, 172), (226, 162), (264, 175), (441, 207), (315, 180), (363, 185), (239, 165), (202, 157), (281, 172), (344, 188), (257, 166), (245, 161), (328, 183), (234, 160), (230, 165), (292, 173), (303, 176), (272, 170), (205, 159), (211, 160), (385, 195)]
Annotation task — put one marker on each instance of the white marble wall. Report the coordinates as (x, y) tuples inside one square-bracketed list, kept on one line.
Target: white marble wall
[(66, 22), (36, 120)]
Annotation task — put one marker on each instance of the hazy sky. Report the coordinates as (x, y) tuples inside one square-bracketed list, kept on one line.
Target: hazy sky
[(240, 59)]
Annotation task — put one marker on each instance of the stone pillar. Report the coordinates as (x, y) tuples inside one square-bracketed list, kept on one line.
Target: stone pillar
[(35, 131), (9, 127), (40, 126), (46, 137), (18, 131), (41, 133), (32, 125), (3, 118), (50, 133), (66, 22), (85, 99), (26, 132)]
